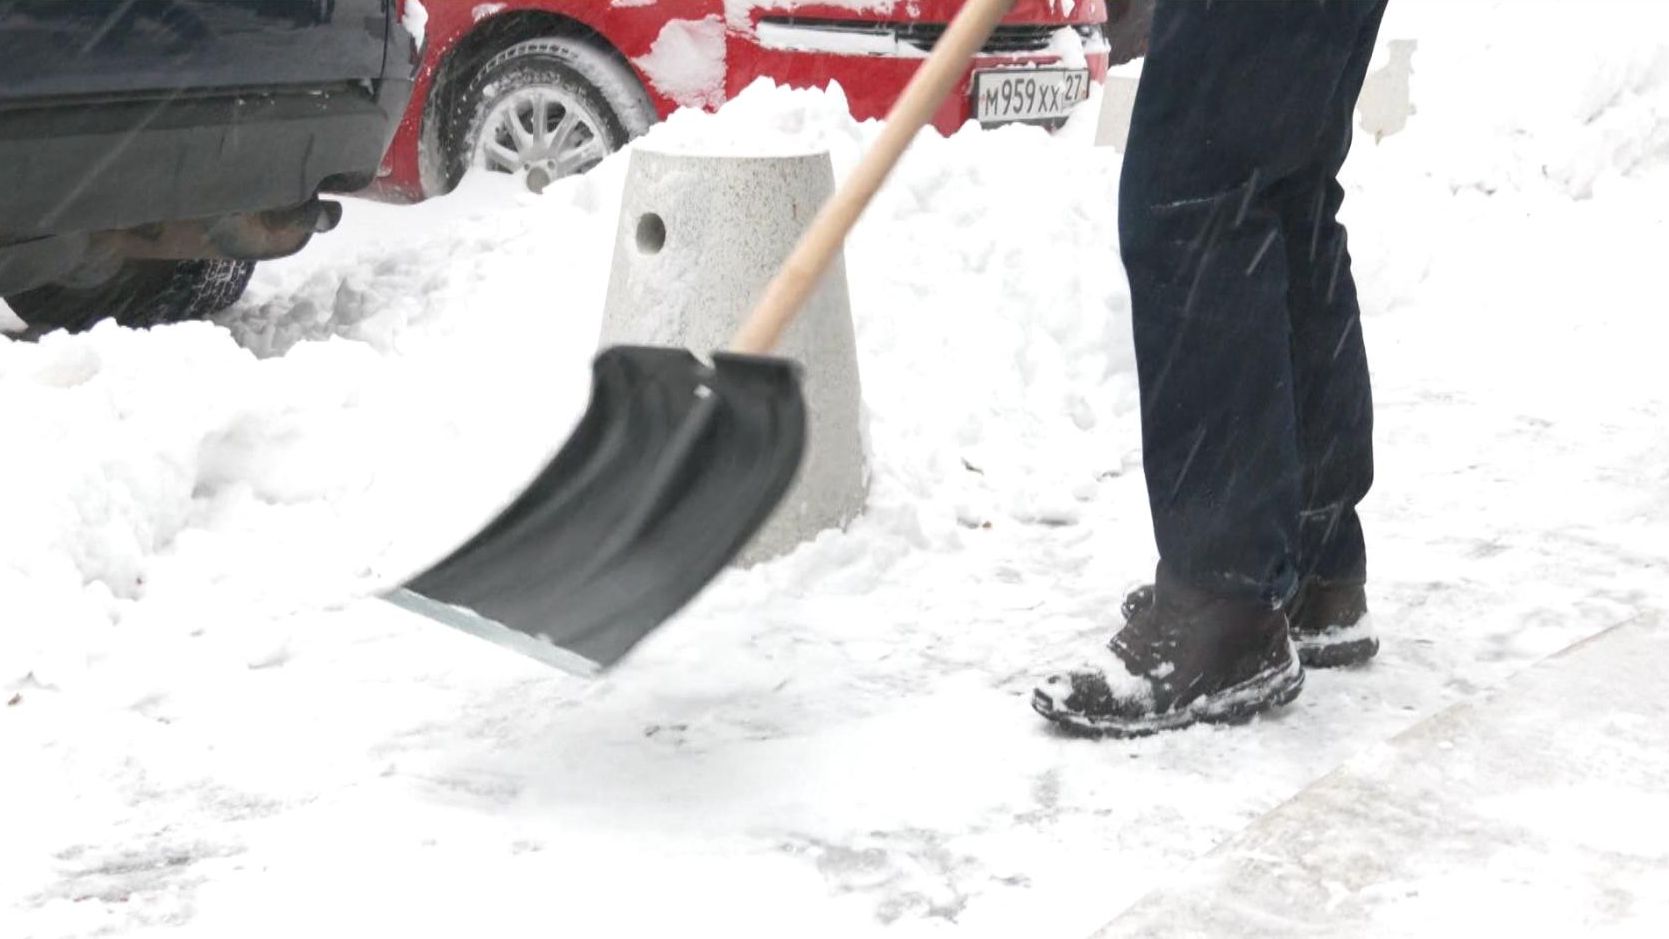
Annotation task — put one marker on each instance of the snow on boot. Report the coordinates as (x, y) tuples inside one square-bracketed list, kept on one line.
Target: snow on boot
[(1328, 620), (1184, 657), (1330, 624)]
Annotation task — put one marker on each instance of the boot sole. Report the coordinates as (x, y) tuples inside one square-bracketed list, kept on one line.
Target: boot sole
[(1273, 687), (1338, 646), (1337, 654)]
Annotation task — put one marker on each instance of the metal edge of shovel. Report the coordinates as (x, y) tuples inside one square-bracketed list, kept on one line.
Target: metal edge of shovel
[(675, 464)]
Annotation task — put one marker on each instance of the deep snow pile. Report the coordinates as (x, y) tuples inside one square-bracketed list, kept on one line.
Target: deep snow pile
[(213, 730), (283, 471)]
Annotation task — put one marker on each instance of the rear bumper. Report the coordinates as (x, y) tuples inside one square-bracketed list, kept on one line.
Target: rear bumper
[(77, 167), (872, 83)]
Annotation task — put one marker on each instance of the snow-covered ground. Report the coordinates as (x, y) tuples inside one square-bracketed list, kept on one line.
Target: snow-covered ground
[(1540, 808), (211, 731)]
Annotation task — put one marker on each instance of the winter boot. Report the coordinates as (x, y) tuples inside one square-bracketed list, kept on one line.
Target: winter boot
[(1331, 625), (1328, 620), (1183, 657)]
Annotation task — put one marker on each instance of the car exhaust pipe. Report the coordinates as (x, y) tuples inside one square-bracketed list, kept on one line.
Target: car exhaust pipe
[(253, 236)]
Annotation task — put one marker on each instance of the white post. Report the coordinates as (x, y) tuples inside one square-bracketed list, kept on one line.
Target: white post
[(1385, 104), (1118, 101)]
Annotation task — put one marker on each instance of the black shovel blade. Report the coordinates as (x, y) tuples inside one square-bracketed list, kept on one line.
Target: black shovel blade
[(672, 469)]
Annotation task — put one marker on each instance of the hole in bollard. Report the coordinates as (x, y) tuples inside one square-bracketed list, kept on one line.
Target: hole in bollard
[(651, 233)]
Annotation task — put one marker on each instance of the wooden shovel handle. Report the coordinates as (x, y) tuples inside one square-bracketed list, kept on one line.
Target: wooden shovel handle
[(927, 89)]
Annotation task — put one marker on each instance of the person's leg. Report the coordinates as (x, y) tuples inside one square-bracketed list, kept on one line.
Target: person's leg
[(1328, 616), (1233, 102), (1234, 99), (1329, 362)]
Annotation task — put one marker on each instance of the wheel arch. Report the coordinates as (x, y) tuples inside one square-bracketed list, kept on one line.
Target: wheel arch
[(477, 46)]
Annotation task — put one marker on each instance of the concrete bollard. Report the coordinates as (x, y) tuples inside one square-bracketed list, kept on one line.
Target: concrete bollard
[(1118, 100), (699, 237), (1386, 104)]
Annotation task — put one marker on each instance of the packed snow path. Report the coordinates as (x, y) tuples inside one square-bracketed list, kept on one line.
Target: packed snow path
[(208, 733), (1541, 808)]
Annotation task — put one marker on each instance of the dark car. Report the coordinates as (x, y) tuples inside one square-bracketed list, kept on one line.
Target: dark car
[(152, 150)]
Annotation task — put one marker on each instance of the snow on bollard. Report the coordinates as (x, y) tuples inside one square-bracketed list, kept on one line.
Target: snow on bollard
[(698, 239)]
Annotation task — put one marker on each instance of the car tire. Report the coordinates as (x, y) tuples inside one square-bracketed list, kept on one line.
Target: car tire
[(571, 77), (141, 294)]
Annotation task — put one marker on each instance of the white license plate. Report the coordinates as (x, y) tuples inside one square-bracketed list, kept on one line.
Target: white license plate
[(1004, 96)]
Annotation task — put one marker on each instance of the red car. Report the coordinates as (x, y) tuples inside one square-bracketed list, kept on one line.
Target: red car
[(554, 86)]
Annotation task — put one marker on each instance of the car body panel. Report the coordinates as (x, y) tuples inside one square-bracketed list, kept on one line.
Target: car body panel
[(633, 28), (61, 48), (135, 119)]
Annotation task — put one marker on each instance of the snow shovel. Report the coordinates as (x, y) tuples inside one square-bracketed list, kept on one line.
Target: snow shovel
[(676, 462)]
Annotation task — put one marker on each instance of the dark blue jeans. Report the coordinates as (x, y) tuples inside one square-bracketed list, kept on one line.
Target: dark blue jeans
[(1257, 418)]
